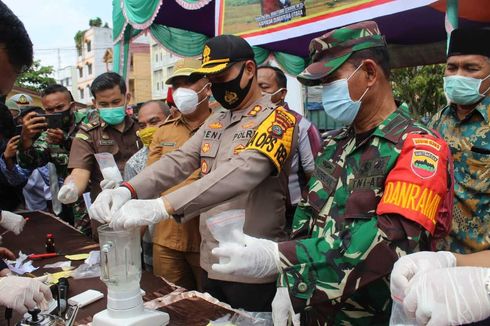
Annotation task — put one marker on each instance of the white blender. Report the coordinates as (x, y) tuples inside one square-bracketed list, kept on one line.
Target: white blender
[(120, 256)]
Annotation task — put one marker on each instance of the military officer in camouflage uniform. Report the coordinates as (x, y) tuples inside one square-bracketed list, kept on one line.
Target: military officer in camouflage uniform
[(53, 145), (464, 124), (377, 193)]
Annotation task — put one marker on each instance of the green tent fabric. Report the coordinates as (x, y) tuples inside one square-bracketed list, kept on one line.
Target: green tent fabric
[(132, 16), (118, 20), (140, 13), (179, 41)]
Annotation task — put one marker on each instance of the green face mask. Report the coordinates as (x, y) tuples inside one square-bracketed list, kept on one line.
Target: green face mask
[(113, 116)]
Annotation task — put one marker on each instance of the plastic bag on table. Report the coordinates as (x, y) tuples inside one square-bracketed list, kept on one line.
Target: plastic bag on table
[(86, 271)]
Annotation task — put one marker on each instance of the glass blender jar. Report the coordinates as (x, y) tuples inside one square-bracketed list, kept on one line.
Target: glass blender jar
[(120, 263)]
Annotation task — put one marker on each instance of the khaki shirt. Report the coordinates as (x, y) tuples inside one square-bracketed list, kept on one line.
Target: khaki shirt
[(185, 237), (98, 137), (236, 173)]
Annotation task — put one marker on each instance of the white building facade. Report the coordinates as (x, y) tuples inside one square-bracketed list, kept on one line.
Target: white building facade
[(68, 77), (162, 66), (90, 63)]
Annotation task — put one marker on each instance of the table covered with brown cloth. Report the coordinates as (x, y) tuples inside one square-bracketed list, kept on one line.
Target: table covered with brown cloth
[(184, 308)]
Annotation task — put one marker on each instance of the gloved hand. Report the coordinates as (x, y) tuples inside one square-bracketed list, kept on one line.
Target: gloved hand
[(407, 266), (23, 293), (282, 309), (449, 296), (108, 184), (68, 193), (252, 257), (139, 213), (108, 202), (12, 222)]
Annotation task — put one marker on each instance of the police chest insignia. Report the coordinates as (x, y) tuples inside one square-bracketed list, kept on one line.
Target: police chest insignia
[(168, 144), (248, 125), (204, 167), (205, 147), (216, 125), (230, 97), (424, 163), (106, 142), (238, 149), (255, 110)]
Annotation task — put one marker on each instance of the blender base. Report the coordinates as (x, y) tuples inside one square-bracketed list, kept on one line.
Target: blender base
[(145, 318)]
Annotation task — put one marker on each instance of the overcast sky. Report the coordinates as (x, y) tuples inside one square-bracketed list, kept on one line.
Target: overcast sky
[(52, 25)]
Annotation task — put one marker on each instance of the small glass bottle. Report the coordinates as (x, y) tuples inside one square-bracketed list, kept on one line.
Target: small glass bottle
[(50, 247)]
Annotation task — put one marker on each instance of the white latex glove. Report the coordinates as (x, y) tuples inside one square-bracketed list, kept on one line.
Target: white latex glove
[(407, 266), (449, 296), (138, 213), (23, 293), (12, 222), (251, 257), (282, 309), (108, 202), (108, 184), (68, 193)]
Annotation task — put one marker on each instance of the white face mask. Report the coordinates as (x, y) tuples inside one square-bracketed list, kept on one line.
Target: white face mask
[(187, 99)]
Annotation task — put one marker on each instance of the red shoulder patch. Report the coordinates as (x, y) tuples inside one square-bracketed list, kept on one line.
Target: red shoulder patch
[(417, 186)]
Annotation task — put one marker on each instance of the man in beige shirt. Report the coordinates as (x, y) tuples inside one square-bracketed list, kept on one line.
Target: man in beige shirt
[(244, 154), (176, 245)]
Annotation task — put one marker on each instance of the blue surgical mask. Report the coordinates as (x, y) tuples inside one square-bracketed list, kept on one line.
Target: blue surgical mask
[(337, 102), (463, 90), (113, 116)]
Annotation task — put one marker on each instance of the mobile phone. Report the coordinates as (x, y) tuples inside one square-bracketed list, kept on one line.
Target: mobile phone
[(53, 120), (18, 130)]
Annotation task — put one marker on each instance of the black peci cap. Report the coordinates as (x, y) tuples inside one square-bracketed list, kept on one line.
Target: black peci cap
[(469, 41), (222, 51)]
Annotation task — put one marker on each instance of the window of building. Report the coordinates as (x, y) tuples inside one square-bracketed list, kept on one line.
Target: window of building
[(158, 86), (169, 70), (161, 57), (80, 72), (89, 68), (81, 93), (89, 46), (156, 57), (88, 91)]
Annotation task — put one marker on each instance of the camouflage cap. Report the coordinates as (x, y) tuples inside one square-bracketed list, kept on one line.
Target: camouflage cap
[(331, 50), (184, 68)]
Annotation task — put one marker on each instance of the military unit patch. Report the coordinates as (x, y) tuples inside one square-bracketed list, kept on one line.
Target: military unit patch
[(424, 163)]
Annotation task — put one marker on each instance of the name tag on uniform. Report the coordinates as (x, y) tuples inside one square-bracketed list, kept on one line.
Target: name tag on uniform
[(106, 142), (168, 144)]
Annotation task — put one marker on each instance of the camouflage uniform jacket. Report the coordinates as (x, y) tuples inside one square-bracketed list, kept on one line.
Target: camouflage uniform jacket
[(41, 153), (469, 141), (344, 243)]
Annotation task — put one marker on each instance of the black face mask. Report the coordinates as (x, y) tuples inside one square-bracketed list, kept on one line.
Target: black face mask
[(229, 94)]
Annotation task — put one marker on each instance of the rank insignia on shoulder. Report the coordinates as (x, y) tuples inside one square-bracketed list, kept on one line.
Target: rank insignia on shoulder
[(255, 111), (216, 125), (81, 136)]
